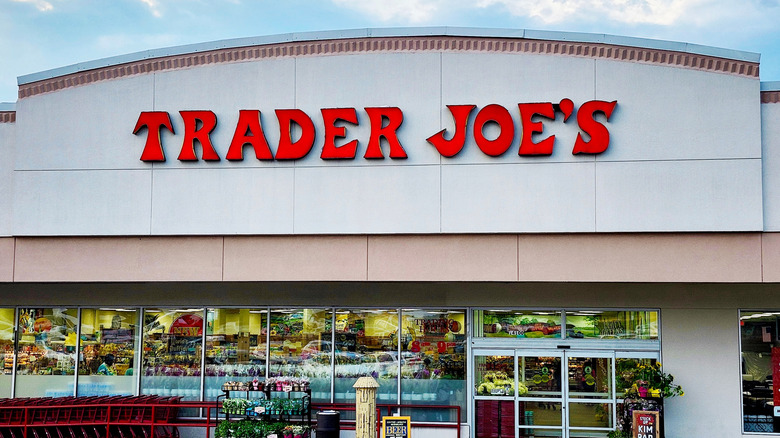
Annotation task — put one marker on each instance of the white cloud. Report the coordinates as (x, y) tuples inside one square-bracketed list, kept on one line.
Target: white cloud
[(154, 6), (411, 11), (655, 12), (41, 5), (662, 12)]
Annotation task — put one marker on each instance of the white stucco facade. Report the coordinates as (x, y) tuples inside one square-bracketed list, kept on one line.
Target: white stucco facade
[(679, 214)]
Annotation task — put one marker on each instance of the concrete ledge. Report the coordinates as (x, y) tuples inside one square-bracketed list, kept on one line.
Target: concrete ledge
[(73, 259), (295, 258), (6, 259), (508, 258)]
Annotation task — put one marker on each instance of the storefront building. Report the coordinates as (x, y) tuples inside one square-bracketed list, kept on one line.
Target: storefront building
[(456, 212)]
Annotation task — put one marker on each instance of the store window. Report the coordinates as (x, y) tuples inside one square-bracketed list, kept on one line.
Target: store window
[(172, 349), (301, 346), (107, 352), (531, 324), (7, 344), (46, 353), (760, 355), (433, 358), (366, 345), (606, 324), (236, 341)]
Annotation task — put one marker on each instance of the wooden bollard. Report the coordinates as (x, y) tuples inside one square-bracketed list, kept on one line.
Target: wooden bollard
[(365, 407)]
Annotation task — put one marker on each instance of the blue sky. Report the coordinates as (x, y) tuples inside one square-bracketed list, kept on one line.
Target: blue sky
[(37, 35)]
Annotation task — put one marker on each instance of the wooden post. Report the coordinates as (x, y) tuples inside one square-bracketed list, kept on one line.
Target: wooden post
[(365, 407)]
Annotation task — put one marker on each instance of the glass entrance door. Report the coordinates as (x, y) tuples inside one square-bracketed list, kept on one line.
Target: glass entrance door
[(570, 394), (545, 393)]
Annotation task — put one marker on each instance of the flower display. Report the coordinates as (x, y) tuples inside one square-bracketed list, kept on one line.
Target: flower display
[(498, 381), (647, 380)]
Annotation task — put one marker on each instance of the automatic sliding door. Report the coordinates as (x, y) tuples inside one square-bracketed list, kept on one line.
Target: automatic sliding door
[(590, 394), (540, 403)]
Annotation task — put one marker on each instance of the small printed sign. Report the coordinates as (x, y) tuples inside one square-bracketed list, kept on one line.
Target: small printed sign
[(287, 388), (396, 427), (646, 424)]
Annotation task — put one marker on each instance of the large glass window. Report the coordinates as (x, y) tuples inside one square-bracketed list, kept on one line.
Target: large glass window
[(607, 324), (433, 361), (107, 352), (172, 345), (235, 347), (366, 345), (532, 324), (301, 346), (760, 356), (7, 344), (46, 352)]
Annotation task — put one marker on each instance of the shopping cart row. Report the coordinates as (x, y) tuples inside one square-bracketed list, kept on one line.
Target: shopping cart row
[(145, 416)]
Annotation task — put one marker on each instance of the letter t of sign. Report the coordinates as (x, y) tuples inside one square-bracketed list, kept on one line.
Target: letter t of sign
[(154, 121)]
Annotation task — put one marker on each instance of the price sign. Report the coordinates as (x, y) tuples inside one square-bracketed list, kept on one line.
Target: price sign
[(396, 427), (645, 424)]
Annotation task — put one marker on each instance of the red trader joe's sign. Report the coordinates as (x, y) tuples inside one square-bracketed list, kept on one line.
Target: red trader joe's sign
[(384, 123), (645, 424)]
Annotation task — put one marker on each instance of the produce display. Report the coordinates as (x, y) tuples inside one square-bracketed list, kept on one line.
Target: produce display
[(498, 383), (269, 415)]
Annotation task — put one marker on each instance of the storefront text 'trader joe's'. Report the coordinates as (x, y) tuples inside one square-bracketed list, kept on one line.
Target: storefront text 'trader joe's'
[(384, 123)]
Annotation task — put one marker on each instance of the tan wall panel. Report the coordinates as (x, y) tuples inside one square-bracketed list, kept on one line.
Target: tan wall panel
[(440, 258), (119, 259), (713, 257), (6, 259), (295, 258), (701, 351), (770, 249)]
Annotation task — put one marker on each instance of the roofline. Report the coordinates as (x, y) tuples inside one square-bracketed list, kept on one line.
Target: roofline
[(392, 32)]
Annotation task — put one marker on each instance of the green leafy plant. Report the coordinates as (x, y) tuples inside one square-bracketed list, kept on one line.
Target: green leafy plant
[(223, 430), (649, 381), (618, 434)]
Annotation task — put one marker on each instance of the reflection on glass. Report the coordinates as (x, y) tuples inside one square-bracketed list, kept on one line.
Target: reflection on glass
[(107, 352), (172, 352), (625, 370), (541, 375), (366, 345), (518, 324), (46, 352), (235, 347), (301, 347), (7, 344), (494, 375), (597, 324), (541, 414), (590, 377), (760, 344), (590, 415), (433, 358)]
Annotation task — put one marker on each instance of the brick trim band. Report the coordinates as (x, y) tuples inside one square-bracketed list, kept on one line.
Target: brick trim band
[(7, 116), (770, 97), (397, 44)]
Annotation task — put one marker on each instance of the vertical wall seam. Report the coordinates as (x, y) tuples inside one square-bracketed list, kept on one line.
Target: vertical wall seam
[(294, 165), (441, 158), (517, 251), (223, 258), (595, 167), (367, 263), (761, 256), (151, 176), (13, 263)]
